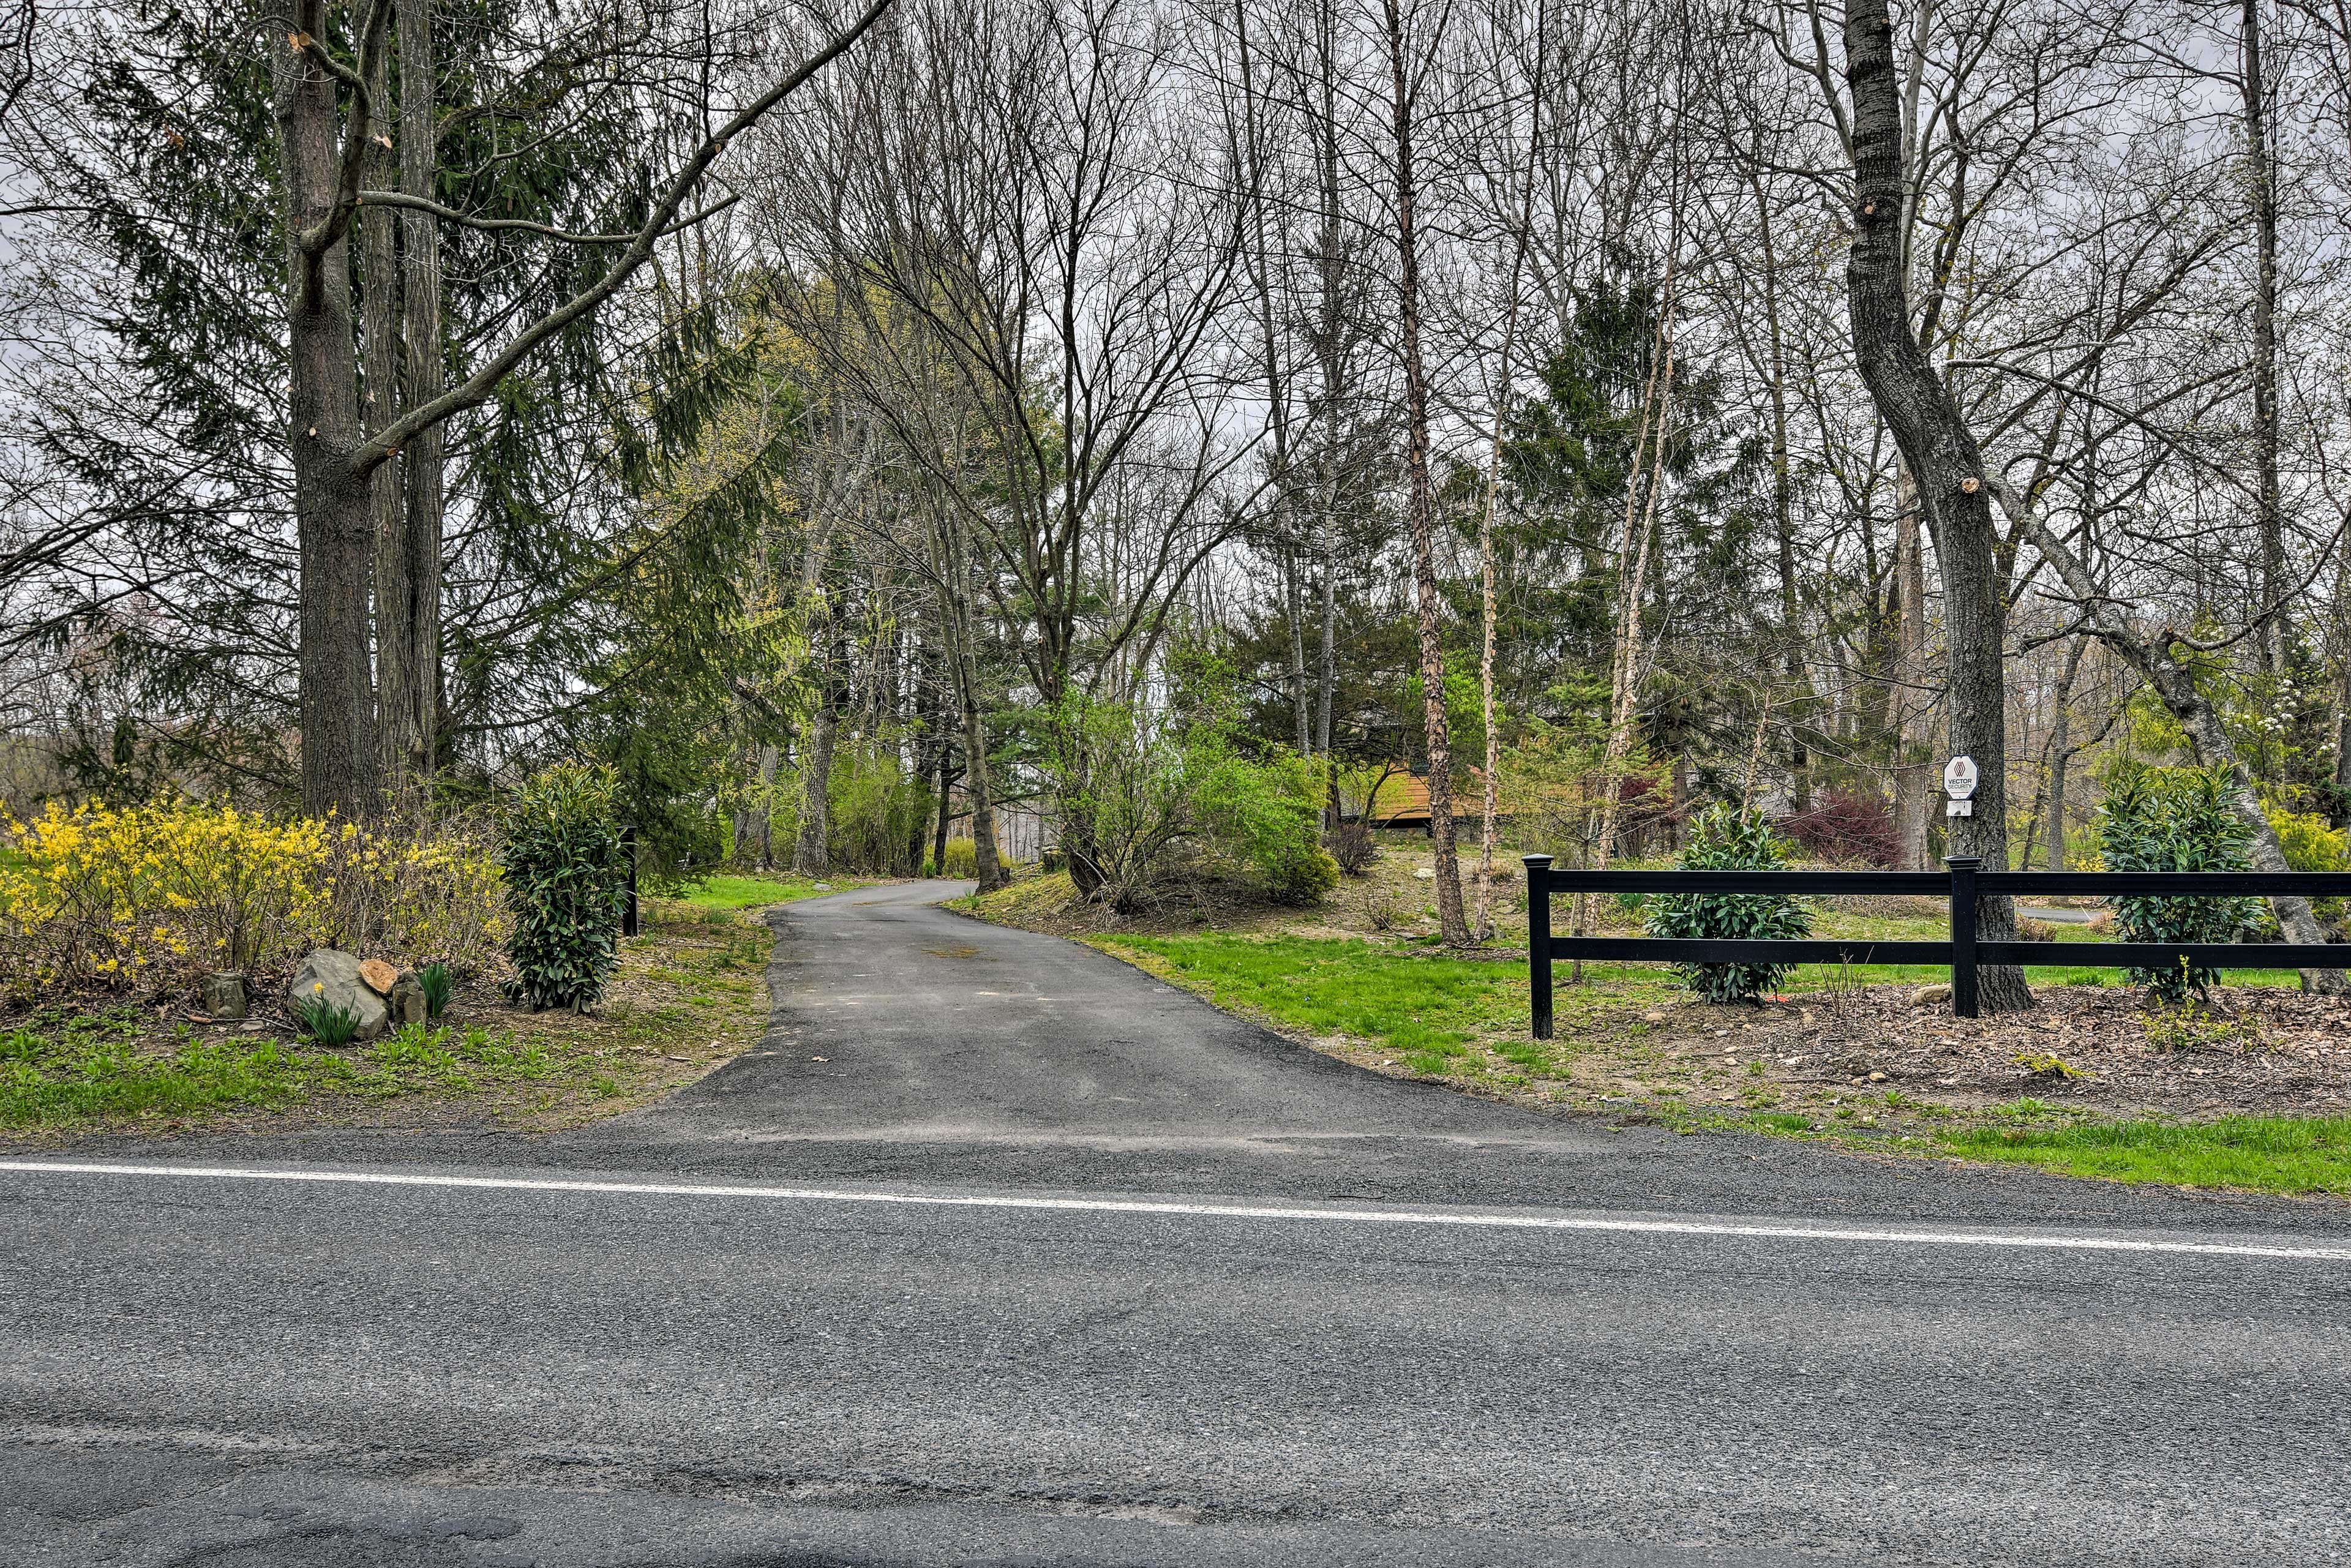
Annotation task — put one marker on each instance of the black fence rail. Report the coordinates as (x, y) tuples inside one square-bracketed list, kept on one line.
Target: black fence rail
[(1961, 884)]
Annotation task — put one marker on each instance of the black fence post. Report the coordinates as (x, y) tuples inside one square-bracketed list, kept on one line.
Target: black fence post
[(629, 848), (1539, 940), (1963, 933)]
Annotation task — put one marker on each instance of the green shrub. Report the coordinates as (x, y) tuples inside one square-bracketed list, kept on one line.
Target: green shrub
[(1267, 815), (567, 879), (2175, 819), (1728, 838), (963, 859)]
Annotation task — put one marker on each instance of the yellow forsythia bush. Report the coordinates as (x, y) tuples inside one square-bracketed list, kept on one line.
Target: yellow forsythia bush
[(161, 894)]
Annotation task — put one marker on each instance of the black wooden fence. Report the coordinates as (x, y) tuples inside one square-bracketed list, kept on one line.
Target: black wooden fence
[(1961, 884)]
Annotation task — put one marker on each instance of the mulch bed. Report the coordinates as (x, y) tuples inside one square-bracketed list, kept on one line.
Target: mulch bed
[(2253, 1050)]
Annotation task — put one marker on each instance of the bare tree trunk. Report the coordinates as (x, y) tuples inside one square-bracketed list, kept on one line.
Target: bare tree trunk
[(380, 351), (1944, 461), (1913, 788), (2060, 752), (1420, 503), (1783, 509), (2261, 178), (812, 851), (954, 551), (332, 501), (1297, 613), (1331, 236), (427, 378)]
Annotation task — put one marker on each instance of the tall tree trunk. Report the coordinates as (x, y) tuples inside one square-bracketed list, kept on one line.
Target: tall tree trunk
[(2060, 752), (953, 547), (1783, 503), (1913, 788), (426, 371), (1944, 461), (333, 524), (1420, 502), (1296, 611), (812, 851), (2261, 177), (1330, 256), (764, 818), (380, 338)]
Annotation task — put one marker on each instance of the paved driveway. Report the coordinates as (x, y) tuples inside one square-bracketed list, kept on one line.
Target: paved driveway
[(1045, 1262)]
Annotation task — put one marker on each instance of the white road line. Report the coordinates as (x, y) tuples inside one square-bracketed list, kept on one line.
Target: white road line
[(2058, 1243)]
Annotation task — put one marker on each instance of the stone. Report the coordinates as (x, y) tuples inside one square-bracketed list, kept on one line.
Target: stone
[(405, 1001), (1877, 1078), (1930, 996), (380, 976), (224, 997), (332, 975), (1424, 874)]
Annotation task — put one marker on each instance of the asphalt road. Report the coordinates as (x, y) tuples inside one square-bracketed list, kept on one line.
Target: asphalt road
[(1047, 1263)]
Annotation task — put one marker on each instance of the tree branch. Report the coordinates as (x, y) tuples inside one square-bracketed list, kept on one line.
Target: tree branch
[(451, 215), (478, 388)]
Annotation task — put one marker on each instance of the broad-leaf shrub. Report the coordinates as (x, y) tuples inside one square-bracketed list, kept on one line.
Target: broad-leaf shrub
[(2175, 819), (1145, 797), (1268, 815), (1729, 837), (567, 884), (162, 893)]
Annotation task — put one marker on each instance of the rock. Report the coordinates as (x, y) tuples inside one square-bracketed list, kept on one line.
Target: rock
[(1930, 996), (1425, 873), (333, 977), (405, 1001), (380, 976), (1877, 1078), (1653, 1016), (224, 997)]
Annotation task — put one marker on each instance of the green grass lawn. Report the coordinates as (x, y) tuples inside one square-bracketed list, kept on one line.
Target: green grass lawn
[(89, 1067), (1422, 1008), (1441, 1014), (2260, 1153), (729, 891)]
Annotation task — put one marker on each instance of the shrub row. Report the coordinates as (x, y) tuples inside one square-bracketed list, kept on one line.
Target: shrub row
[(158, 896)]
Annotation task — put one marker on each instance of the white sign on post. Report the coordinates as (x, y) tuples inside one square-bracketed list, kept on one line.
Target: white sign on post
[(1959, 775)]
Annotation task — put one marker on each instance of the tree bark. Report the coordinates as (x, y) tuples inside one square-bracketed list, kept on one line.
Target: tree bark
[(427, 372), (2268, 501), (812, 851), (333, 524), (1913, 791), (1944, 461), (380, 338), (1420, 503), (2061, 753)]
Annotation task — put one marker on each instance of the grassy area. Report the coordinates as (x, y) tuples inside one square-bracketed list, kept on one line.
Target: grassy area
[(2262, 1154), (99, 1067), (731, 891), (1465, 1020), (688, 994), (1423, 1009)]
